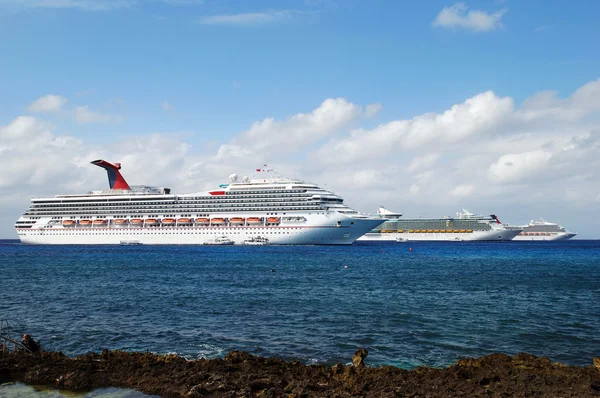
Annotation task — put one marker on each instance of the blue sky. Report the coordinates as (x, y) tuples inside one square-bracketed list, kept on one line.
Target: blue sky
[(193, 77)]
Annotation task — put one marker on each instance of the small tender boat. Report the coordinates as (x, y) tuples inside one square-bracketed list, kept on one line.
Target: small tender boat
[(236, 220), (273, 220), (219, 240), (68, 223), (99, 223), (217, 221), (130, 242), (136, 222), (202, 220), (254, 220), (184, 221), (256, 241), (168, 221), (151, 221), (85, 223), (120, 221)]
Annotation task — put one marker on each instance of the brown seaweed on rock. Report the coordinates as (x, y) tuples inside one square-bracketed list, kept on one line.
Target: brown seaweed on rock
[(240, 374)]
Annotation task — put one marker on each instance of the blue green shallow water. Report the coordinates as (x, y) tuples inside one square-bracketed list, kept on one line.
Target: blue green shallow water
[(431, 306)]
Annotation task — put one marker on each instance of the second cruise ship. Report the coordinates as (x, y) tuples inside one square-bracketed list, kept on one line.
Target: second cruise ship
[(464, 227), (284, 211)]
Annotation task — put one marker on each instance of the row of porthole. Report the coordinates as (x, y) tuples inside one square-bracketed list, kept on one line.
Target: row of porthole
[(152, 232)]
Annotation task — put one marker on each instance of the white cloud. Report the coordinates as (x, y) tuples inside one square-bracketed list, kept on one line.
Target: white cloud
[(479, 115), (166, 106), (25, 136), (535, 159), (423, 162), (270, 136), (81, 114), (48, 103), (249, 19), (459, 16), (463, 190), (372, 109)]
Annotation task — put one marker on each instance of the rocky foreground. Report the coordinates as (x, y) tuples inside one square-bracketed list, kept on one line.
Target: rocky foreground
[(240, 374)]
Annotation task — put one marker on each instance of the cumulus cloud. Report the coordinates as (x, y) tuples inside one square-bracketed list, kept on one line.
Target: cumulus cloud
[(485, 153), (479, 115), (463, 190), (25, 136), (459, 16), (47, 104), (81, 114), (423, 162), (289, 135)]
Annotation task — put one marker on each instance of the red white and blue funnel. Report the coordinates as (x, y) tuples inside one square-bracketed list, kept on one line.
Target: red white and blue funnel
[(115, 179)]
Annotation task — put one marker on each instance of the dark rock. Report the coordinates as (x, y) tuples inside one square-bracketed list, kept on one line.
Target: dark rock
[(240, 374), (358, 360)]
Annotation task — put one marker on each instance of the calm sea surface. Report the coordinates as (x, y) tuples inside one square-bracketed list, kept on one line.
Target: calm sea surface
[(319, 304)]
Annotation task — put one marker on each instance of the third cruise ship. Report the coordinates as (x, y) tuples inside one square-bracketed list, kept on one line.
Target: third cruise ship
[(542, 230)]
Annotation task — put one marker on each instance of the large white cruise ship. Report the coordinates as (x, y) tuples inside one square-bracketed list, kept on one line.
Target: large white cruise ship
[(541, 230), (464, 227), (274, 208)]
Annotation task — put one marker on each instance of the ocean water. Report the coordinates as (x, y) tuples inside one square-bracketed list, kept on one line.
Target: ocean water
[(430, 306)]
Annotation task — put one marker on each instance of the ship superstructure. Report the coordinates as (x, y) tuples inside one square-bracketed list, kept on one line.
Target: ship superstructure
[(282, 210), (541, 230), (464, 227)]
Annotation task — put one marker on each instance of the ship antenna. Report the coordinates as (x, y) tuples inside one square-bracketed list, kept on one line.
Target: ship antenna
[(115, 179)]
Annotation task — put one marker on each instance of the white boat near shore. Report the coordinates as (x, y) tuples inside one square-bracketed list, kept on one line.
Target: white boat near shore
[(219, 240), (256, 241)]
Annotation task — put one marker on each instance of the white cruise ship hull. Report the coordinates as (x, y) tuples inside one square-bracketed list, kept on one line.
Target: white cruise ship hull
[(325, 229), (270, 208), (549, 236), (493, 235)]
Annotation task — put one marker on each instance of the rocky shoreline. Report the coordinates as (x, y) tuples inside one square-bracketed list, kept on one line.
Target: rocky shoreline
[(240, 374)]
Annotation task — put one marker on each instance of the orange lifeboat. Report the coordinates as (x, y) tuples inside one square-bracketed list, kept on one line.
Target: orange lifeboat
[(236, 220), (273, 220), (254, 220), (202, 220), (217, 221), (85, 223), (119, 221), (151, 221), (99, 222), (68, 223), (183, 221), (168, 221), (136, 221)]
